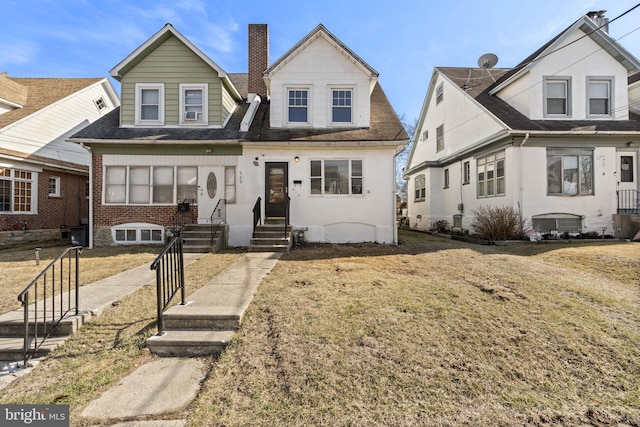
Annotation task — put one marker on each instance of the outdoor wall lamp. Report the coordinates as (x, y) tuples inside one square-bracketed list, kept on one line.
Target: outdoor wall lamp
[(296, 159)]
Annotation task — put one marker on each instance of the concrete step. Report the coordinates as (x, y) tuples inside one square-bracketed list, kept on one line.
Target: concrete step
[(269, 248), (12, 324), (189, 343), (12, 348), (199, 318), (269, 241)]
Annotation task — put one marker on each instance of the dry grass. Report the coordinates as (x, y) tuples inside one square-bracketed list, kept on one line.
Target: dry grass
[(19, 268), (432, 332), (436, 333)]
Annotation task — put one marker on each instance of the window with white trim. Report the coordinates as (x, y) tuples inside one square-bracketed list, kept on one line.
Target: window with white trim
[(440, 138), (341, 106), (439, 93), (491, 175), (100, 104), (569, 172), (17, 191), (150, 185), (298, 106), (138, 233), (557, 96), (230, 184), (336, 177), (466, 172), (599, 96), (419, 188), (54, 186), (149, 103), (193, 103)]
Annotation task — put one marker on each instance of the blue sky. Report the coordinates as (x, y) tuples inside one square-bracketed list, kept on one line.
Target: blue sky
[(403, 40)]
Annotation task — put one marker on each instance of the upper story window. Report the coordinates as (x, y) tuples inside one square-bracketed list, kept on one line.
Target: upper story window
[(440, 138), (54, 186), (599, 99), (100, 104), (439, 93), (17, 191), (446, 178), (569, 172), (298, 106), (420, 189), (491, 175), (341, 106), (193, 103), (557, 96), (149, 103)]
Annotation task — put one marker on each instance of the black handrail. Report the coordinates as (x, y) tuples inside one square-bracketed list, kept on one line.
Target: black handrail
[(222, 217), (287, 208), (257, 215), (41, 329), (169, 267), (628, 201)]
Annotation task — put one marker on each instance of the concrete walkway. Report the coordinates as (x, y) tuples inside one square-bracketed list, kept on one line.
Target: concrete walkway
[(165, 385)]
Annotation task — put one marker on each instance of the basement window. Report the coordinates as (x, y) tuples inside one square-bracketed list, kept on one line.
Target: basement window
[(138, 233)]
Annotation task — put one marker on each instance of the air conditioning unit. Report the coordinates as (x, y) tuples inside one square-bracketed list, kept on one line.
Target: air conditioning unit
[(192, 115)]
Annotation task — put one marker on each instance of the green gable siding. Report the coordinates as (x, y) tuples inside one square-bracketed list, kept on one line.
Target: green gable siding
[(172, 63), (228, 103)]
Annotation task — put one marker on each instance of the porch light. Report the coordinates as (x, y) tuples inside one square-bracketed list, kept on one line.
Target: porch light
[(296, 159)]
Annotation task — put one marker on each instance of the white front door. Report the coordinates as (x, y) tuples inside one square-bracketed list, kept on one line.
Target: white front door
[(627, 178), (210, 191)]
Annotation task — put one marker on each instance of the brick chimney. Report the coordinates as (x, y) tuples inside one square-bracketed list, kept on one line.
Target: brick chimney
[(258, 58)]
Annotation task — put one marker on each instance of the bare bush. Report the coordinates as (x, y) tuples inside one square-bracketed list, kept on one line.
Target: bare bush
[(498, 223)]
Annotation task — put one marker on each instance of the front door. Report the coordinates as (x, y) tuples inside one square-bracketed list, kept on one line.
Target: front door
[(210, 190), (627, 171), (276, 189)]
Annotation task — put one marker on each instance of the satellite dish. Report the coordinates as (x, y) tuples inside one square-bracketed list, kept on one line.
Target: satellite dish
[(488, 60)]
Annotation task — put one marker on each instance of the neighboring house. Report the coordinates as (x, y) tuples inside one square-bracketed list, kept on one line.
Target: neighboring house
[(314, 128), (556, 137), (43, 178)]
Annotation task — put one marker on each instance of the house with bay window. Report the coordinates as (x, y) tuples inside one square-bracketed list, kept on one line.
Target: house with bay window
[(309, 140), (556, 137), (43, 178)]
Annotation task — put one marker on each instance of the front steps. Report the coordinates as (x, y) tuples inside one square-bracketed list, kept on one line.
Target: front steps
[(197, 238), (271, 237)]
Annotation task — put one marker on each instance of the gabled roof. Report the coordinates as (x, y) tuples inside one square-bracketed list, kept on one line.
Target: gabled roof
[(321, 31), (591, 29), (156, 40), (43, 92)]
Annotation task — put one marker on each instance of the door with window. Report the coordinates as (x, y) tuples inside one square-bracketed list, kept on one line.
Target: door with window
[(627, 171), (210, 191), (276, 189)]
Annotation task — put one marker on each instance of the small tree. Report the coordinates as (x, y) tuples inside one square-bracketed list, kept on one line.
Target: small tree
[(498, 223)]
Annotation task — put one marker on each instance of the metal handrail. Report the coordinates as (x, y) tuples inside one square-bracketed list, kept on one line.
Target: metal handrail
[(628, 201), (287, 214), (169, 267), (41, 329), (222, 216), (257, 215)]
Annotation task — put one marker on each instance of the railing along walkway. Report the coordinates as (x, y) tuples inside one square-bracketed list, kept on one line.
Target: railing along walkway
[(51, 296), (169, 268)]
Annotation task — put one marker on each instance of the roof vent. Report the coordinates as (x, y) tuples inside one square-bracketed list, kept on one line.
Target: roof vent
[(598, 17)]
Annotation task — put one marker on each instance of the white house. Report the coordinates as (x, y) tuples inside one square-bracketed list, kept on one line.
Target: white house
[(311, 138), (43, 178), (556, 137)]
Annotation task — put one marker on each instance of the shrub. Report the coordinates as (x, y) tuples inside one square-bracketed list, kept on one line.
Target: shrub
[(498, 223), (441, 226)]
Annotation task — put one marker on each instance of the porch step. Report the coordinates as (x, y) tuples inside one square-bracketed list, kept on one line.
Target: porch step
[(197, 238), (271, 237), (12, 348), (189, 343), (180, 318)]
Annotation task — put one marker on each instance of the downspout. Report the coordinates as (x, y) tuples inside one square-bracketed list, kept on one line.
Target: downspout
[(394, 216), (521, 202), (90, 194)]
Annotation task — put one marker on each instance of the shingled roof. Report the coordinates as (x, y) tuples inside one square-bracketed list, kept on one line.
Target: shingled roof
[(40, 93)]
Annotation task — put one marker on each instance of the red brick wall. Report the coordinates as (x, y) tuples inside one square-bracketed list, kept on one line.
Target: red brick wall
[(258, 57), (106, 215), (69, 209)]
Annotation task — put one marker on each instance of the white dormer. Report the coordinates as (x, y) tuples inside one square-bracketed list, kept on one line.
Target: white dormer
[(320, 83)]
